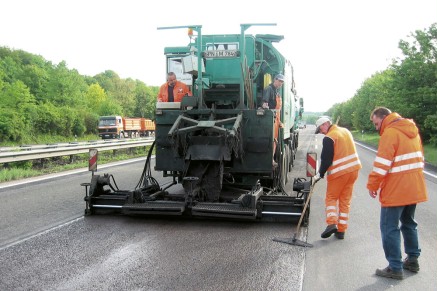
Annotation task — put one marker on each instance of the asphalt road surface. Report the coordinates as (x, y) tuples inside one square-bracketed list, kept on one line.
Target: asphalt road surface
[(47, 244)]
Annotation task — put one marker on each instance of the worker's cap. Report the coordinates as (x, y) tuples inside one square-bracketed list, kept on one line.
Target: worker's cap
[(321, 121), (279, 77)]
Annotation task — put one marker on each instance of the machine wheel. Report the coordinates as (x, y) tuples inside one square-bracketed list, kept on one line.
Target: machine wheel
[(291, 155), (121, 136), (296, 143)]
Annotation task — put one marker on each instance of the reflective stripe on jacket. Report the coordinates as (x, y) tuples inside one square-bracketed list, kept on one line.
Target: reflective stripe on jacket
[(179, 91), (398, 166), (345, 154)]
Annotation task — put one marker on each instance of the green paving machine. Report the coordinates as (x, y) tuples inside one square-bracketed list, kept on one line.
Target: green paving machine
[(218, 146)]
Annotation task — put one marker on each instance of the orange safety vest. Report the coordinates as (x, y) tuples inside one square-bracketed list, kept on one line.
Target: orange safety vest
[(398, 166), (345, 154), (179, 91)]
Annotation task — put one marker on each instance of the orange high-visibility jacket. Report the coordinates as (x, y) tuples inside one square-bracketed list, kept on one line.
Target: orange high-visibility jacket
[(179, 91), (398, 166), (345, 154)]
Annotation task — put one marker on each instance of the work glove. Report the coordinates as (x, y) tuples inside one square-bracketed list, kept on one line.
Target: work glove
[(317, 177), (265, 105)]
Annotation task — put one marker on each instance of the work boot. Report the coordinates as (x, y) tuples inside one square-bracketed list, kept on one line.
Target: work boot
[(411, 264), (330, 229), (389, 273), (339, 235)]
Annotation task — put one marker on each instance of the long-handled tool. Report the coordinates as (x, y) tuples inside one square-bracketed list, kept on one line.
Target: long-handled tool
[(294, 240)]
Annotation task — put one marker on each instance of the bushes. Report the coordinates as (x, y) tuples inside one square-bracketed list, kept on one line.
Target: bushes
[(12, 127)]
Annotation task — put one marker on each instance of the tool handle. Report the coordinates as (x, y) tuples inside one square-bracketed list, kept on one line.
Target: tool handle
[(305, 207)]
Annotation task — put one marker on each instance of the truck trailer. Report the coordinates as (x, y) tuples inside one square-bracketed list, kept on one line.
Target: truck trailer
[(125, 127)]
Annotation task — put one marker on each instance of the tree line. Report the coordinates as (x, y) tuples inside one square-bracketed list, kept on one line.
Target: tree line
[(408, 86), (38, 97)]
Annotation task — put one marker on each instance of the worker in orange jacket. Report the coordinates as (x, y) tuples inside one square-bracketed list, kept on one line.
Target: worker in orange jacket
[(339, 160), (173, 90), (272, 100), (398, 176)]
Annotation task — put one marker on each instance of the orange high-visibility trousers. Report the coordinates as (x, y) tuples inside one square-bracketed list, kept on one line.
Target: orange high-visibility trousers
[(278, 115), (338, 200), (277, 121)]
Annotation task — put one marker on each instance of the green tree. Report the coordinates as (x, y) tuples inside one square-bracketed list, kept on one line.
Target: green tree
[(372, 93), (65, 87), (14, 96), (415, 78), (107, 80), (431, 125), (95, 96), (11, 69), (16, 102), (49, 119), (110, 108), (119, 91), (125, 95), (408, 86), (35, 78), (343, 113), (11, 125), (145, 100), (91, 120)]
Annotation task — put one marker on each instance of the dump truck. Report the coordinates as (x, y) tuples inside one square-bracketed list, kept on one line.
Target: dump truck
[(219, 144), (125, 127)]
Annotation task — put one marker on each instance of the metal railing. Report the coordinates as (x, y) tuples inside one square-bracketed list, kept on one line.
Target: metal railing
[(25, 153)]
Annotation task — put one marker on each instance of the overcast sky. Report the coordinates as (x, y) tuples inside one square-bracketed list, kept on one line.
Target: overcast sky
[(334, 45)]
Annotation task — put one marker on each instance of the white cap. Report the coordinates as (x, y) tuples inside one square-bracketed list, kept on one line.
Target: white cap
[(279, 77), (321, 121)]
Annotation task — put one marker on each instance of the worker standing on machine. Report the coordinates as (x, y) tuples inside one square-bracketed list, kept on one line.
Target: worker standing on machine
[(339, 160), (173, 90), (272, 100)]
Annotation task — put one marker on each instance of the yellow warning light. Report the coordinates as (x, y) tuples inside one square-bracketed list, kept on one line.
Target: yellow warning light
[(190, 32)]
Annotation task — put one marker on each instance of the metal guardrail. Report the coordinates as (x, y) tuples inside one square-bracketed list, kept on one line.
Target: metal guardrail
[(36, 152)]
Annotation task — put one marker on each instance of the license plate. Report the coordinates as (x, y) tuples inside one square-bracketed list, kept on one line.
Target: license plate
[(221, 54)]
